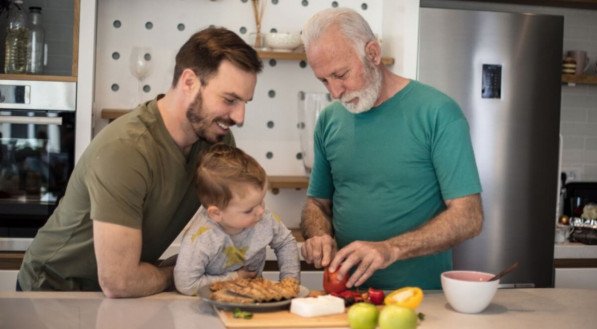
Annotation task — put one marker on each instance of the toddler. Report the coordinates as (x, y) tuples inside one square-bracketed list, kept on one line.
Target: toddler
[(228, 235)]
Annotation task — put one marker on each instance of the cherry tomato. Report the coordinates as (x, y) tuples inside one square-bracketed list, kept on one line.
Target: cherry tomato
[(331, 283), (376, 296)]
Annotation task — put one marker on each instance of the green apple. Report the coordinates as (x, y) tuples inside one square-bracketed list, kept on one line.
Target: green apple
[(363, 316), (397, 317)]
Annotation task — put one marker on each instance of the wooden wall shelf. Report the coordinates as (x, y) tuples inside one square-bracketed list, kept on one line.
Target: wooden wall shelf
[(112, 114), (300, 56), (35, 77), (585, 79), (288, 182)]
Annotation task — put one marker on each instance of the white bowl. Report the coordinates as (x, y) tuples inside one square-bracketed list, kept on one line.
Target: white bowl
[(283, 41), (468, 291)]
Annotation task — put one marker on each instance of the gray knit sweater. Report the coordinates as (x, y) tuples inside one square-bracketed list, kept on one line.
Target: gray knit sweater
[(207, 254)]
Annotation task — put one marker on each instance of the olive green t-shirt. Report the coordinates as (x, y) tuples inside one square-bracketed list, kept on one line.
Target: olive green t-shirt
[(389, 170), (132, 174)]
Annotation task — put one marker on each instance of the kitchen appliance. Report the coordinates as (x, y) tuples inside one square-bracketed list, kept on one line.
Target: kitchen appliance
[(580, 205), (504, 71), (577, 195), (37, 131)]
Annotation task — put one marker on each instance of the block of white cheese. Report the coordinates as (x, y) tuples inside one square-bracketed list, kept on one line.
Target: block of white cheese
[(316, 306)]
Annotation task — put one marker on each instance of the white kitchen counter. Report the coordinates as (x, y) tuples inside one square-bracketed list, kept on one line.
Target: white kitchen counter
[(511, 308)]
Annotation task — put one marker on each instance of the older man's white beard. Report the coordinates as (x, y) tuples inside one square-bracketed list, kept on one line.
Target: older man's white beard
[(367, 96)]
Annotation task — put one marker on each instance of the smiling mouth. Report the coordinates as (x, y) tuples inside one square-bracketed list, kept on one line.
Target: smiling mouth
[(224, 125)]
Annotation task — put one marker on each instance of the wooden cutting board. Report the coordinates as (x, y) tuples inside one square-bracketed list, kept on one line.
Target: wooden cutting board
[(283, 319)]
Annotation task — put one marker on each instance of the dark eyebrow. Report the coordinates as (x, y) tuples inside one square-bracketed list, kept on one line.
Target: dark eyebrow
[(235, 96)]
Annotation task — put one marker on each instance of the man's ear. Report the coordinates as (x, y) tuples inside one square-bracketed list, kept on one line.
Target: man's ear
[(373, 51), (214, 213), (189, 81)]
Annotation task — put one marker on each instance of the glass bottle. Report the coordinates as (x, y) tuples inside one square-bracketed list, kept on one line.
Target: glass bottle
[(310, 105), (35, 44), (15, 59)]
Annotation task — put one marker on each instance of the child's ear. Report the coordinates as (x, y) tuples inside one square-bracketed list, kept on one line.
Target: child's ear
[(214, 213)]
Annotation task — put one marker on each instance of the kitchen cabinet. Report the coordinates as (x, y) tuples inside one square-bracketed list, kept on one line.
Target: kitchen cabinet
[(8, 280), (11, 260), (575, 265), (576, 278), (55, 41)]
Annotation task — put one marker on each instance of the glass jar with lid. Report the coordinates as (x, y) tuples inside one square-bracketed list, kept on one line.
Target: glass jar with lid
[(17, 36)]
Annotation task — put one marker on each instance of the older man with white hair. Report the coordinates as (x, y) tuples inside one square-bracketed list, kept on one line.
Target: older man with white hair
[(394, 184)]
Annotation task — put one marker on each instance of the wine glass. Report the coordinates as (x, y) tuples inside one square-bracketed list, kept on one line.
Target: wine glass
[(141, 66), (310, 105)]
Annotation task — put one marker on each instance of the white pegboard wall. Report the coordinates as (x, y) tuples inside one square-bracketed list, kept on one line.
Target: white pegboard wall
[(125, 24), (270, 131)]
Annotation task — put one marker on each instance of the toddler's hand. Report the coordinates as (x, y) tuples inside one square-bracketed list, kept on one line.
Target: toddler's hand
[(245, 274)]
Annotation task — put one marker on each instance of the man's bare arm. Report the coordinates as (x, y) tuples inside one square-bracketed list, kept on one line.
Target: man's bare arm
[(120, 271), (316, 218), (461, 220), (316, 225)]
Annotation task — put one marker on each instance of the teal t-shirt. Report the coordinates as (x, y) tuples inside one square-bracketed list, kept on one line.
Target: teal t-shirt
[(389, 170)]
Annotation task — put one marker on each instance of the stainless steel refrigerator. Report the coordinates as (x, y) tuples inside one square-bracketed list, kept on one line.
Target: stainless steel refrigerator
[(504, 71)]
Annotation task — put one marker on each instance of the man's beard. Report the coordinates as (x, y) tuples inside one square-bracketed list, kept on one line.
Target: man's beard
[(368, 95), (200, 123)]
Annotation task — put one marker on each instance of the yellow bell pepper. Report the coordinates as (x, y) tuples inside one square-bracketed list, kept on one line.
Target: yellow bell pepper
[(409, 297)]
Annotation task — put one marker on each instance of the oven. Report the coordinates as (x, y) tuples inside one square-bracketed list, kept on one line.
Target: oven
[(37, 139)]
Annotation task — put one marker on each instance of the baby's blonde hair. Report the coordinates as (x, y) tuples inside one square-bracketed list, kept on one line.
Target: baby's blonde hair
[(224, 168)]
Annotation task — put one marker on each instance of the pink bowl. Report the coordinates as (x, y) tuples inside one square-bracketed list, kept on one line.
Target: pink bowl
[(468, 275), (468, 291)]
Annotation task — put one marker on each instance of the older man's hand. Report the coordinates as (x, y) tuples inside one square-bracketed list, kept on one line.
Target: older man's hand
[(366, 256), (319, 250)]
